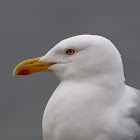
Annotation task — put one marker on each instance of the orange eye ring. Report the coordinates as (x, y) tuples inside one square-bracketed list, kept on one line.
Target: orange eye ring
[(70, 52)]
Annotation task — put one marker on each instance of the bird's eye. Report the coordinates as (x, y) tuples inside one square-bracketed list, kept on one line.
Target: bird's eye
[(70, 52)]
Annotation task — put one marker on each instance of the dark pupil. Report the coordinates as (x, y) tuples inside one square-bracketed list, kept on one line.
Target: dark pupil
[(70, 51)]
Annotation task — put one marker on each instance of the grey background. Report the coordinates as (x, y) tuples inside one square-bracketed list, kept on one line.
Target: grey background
[(29, 28)]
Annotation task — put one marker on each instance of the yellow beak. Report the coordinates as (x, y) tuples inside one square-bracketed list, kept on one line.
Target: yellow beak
[(31, 66)]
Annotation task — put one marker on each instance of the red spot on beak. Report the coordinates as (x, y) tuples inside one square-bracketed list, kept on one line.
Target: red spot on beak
[(23, 72)]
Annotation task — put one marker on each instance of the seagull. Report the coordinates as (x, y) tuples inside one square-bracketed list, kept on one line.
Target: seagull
[(92, 101)]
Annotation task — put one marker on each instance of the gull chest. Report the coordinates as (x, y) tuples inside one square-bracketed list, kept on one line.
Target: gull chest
[(72, 115)]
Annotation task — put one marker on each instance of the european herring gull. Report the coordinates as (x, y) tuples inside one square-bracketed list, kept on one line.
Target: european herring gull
[(92, 101)]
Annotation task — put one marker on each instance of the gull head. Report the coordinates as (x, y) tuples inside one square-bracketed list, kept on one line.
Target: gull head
[(82, 57)]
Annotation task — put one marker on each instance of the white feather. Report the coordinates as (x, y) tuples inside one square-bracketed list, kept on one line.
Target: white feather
[(92, 101)]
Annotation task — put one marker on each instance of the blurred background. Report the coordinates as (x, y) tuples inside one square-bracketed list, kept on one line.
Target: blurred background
[(30, 28)]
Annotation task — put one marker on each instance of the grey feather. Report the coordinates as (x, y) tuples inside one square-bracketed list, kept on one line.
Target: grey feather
[(135, 111), (135, 114)]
